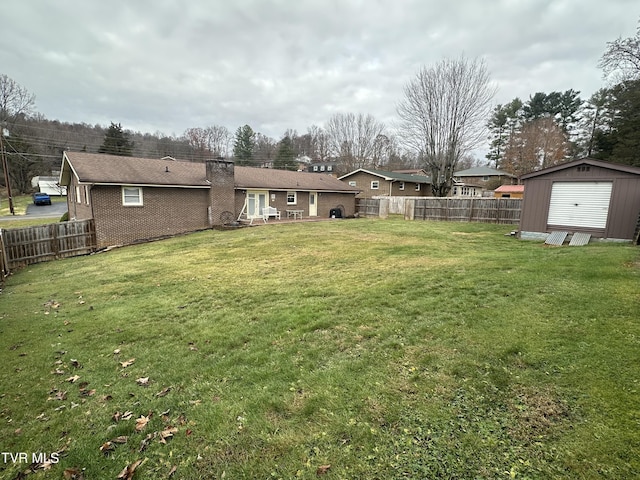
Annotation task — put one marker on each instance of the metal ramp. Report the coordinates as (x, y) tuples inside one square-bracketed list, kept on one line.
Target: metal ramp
[(556, 238), (579, 239)]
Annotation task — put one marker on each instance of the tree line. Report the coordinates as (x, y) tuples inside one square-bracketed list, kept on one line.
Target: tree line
[(444, 115)]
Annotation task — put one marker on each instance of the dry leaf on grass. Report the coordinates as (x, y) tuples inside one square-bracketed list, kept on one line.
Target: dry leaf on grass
[(73, 474), (107, 447), (172, 471), (163, 392), (58, 396), (122, 416), (167, 433), (128, 471), (142, 381), (145, 442), (128, 363), (142, 422), (322, 469), (73, 379), (116, 351)]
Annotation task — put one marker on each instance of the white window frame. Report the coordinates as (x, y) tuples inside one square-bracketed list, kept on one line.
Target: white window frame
[(401, 186), (352, 183), (417, 187), (315, 168), (295, 198), (375, 184), (329, 168), (127, 198)]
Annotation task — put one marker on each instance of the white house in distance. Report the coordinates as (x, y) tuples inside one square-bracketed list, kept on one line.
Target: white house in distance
[(474, 182), (48, 185)]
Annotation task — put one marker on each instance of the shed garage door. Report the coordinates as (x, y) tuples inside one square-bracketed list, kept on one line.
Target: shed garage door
[(580, 204)]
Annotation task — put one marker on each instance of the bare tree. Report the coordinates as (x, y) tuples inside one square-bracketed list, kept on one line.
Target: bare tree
[(319, 143), (212, 141), (219, 139), (15, 100), (352, 139), (443, 115), (539, 144), (623, 58)]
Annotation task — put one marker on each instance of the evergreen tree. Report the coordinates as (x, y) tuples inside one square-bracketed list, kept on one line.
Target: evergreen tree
[(116, 142), (244, 145), (622, 143), (285, 158)]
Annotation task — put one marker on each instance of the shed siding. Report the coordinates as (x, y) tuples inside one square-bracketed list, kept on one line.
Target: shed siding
[(624, 206), (626, 198)]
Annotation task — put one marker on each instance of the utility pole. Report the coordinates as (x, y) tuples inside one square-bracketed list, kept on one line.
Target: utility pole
[(5, 168)]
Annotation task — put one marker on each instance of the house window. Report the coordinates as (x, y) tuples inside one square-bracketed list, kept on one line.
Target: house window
[(417, 187), (401, 186), (291, 198), (131, 196), (375, 185), (315, 168), (322, 168), (78, 198), (352, 183), (329, 168), (485, 178), (86, 195)]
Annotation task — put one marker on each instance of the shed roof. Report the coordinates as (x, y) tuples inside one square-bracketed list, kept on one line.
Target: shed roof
[(584, 161), (510, 189), (116, 170)]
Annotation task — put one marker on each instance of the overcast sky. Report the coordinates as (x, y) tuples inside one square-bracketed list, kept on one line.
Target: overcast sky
[(164, 65)]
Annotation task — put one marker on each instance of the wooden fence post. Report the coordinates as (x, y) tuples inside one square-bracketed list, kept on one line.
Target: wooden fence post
[(409, 209), (383, 208)]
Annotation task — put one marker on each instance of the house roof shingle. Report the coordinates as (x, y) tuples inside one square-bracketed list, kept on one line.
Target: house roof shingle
[(115, 170), (396, 176), (482, 172)]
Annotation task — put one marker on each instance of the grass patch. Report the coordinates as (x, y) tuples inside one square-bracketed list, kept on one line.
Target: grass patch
[(352, 349)]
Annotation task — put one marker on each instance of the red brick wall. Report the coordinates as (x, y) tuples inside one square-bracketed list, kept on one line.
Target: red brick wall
[(221, 175), (165, 211)]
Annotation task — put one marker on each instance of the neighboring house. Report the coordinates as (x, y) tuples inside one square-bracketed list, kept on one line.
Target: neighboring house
[(48, 185), (509, 191), (132, 199), (585, 195), (380, 183), (472, 182), (322, 167)]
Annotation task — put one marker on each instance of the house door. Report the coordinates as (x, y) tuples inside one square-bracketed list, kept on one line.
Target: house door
[(580, 204), (256, 201), (313, 204)]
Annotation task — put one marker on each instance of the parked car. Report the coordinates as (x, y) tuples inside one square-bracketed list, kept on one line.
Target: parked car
[(40, 198)]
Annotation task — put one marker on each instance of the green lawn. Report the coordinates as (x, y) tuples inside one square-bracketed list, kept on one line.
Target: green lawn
[(347, 349)]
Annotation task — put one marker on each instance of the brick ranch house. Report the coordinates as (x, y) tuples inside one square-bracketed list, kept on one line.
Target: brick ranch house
[(133, 199)]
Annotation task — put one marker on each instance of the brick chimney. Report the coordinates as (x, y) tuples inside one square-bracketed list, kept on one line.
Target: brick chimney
[(220, 173)]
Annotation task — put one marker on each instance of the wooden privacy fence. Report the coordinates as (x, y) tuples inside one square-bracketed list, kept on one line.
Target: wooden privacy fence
[(474, 209), (487, 210), (25, 246)]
